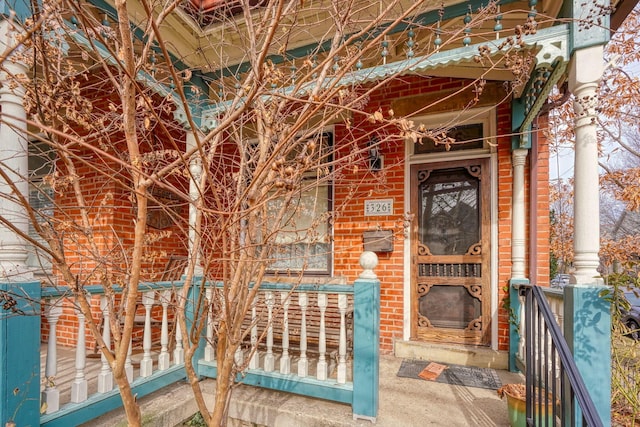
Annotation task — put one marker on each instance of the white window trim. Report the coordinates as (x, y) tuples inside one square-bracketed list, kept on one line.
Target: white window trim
[(486, 116), (330, 272)]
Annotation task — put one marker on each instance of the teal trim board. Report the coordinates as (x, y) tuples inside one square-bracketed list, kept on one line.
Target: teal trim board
[(195, 311), (74, 414), (290, 383), (587, 329), (366, 348), (21, 8), (20, 354), (514, 321)]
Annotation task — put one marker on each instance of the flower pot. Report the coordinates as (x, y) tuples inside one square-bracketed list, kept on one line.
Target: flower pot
[(517, 407)]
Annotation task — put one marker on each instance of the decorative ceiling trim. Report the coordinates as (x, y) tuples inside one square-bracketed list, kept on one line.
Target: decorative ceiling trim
[(557, 37), (551, 63)]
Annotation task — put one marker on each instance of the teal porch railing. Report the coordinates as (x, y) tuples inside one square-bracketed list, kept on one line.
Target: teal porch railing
[(325, 339), (561, 340)]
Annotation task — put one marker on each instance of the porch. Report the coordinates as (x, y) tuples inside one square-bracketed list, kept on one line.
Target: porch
[(403, 402), (330, 382)]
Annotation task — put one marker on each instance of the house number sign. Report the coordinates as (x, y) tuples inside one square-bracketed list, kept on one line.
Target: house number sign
[(378, 207)]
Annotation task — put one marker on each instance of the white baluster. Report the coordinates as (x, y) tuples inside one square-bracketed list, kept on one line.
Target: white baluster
[(51, 394), (209, 351), (342, 348), (79, 385), (285, 360), (322, 367), (254, 363), (303, 363), (178, 352), (164, 359), (146, 364), (105, 377), (269, 359), (238, 357), (128, 366)]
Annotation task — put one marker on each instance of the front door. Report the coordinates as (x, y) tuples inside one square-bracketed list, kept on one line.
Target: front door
[(451, 298)]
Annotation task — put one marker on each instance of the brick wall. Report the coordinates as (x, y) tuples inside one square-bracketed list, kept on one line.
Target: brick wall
[(110, 216), (430, 96), (403, 96)]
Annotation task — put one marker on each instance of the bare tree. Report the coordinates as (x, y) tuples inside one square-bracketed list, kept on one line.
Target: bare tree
[(234, 154)]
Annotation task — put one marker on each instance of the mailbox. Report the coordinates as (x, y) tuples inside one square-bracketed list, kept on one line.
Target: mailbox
[(378, 240)]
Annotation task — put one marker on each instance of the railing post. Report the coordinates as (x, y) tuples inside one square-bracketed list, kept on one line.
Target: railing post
[(194, 308), (513, 309), (587, 329), (366, 340), (20, 354)]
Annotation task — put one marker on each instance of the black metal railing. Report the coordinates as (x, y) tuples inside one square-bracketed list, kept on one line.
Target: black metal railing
[(556, 394)]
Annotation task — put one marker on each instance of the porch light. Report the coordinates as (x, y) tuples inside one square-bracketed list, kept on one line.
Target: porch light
[(376, 159)]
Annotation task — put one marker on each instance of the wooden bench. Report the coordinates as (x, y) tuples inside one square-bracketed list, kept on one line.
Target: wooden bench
[(332, 325)]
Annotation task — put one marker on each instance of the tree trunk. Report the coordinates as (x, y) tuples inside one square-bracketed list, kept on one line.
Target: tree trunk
[(131, 408), (224, 384)]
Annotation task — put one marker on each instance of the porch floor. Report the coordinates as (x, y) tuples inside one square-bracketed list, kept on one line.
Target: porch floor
[(403, 402)]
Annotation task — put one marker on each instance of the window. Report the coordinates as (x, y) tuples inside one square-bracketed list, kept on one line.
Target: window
[(41, 195), (463, 137), (304, 241), (455, 134)]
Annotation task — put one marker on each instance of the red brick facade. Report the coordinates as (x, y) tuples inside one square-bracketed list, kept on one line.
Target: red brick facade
[(403, 95)]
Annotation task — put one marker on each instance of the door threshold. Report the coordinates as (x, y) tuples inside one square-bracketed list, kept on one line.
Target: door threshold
[(467, 355)]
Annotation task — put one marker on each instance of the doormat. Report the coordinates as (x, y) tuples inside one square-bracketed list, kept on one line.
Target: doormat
[(468, 376)]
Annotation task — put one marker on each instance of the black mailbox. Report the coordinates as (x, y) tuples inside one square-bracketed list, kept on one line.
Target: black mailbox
[(378, 240)]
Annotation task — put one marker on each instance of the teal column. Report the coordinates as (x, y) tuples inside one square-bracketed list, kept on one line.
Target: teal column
[(194, 313), (20, 354), (587, 329), (366, 340), (514, 321)]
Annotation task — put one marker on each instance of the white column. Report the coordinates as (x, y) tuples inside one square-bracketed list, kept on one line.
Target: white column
[(14, 161), (586, 71), (519, 157), (195, 168)]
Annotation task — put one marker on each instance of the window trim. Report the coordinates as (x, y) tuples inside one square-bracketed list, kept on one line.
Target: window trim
[(328, 272), (485, 116)]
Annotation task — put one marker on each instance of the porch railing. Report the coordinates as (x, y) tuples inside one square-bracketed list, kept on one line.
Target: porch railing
[(318, 340), (556, 392), (74, 393)]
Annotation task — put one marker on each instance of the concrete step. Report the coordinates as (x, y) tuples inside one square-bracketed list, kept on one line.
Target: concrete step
[(482, 357), (404, 402)]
